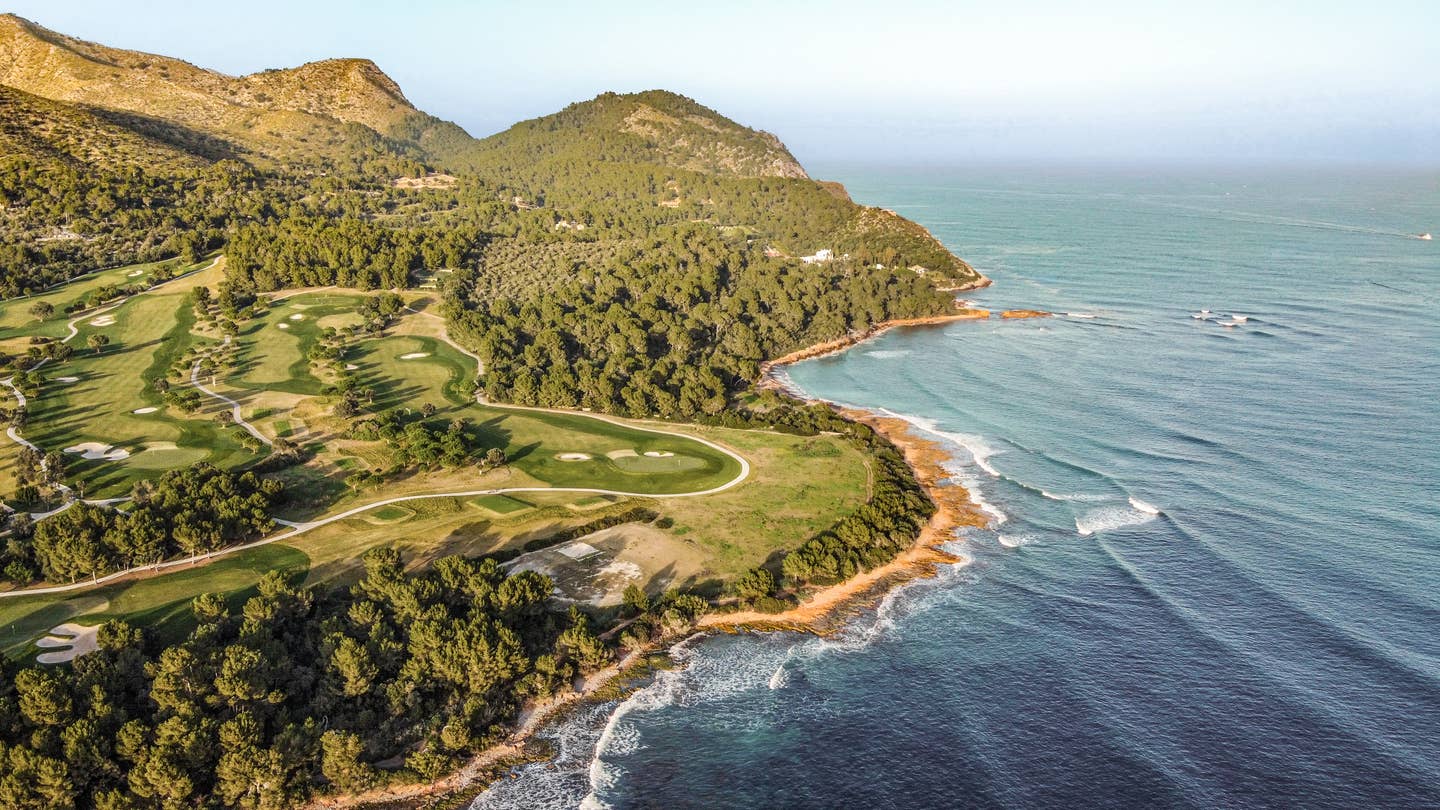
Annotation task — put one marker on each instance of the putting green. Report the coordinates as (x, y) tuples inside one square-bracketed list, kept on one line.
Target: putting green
[(501, 504)]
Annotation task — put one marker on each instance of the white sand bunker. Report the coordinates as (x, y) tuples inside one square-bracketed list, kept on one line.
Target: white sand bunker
[(573, 456), (659, 453), (297, 317), (283, 325), (414, 355), (161, 446), (136, 273), (103, 320), (578, 550), (351, 367), (621, 454), (146, 409), (98, 450), (67, 379), (69, 640)]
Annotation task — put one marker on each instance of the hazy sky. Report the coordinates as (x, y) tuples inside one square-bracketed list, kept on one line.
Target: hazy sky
[(886, 80)]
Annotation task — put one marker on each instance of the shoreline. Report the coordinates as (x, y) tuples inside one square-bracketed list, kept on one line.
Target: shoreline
[(827, 607), (821, 613)]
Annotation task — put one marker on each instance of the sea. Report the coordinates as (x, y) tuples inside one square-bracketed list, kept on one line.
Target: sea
[(1212, 576)]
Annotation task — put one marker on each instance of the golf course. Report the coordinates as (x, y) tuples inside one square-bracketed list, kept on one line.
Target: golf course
[(272, 380)]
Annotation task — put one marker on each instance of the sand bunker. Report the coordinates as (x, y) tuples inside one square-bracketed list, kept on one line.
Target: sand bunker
[(414, 355), (297, 317), (573, 456), (103, 320), (97, 450), (351, 367), (283, 325), (161, 446), (146, 409), (67, 379), (621, 454), (69, 640), (578, 550), (136, 273), (659, 453)]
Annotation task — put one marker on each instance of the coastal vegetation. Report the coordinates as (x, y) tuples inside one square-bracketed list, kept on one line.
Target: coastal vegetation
[(444, 366)]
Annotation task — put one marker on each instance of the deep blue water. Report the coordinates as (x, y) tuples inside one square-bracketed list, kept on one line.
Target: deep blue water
[(1270, 638)]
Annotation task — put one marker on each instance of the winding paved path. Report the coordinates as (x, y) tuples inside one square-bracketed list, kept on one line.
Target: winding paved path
[(234, 406)]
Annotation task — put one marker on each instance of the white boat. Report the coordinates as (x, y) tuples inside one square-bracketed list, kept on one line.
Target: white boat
[(1240, 318), (1425, 236)]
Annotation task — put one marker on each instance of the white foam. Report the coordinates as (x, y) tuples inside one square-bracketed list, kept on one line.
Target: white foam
[(980, 452), (1016, 541), (1079, 315), (1144, 507), (887, 354), (1239, 318), (1082, 497), (1109, 518)]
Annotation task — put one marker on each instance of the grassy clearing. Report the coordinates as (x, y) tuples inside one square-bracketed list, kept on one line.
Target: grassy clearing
[(161, 603)]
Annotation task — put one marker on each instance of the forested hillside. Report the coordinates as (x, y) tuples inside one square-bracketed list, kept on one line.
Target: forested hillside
[(638, 254)]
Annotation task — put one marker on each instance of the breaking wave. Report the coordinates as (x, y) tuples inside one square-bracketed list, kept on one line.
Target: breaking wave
[(1109, 518)]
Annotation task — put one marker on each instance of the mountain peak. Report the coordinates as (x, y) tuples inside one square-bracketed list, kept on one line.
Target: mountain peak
[(654, 126)]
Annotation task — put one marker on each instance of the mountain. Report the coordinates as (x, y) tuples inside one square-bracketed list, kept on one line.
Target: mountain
[(58, 134), (657, 127), (275, 116)]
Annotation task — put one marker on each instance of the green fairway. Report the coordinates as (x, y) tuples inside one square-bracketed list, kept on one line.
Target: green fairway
[(16, 320), (535, 442), (273, 351), (161, 603), (411, 370), (92, 398)]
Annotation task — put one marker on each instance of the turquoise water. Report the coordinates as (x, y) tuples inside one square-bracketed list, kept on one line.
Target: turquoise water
[(1213, 577)]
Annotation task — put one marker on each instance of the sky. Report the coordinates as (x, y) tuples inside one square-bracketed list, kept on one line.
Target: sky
[(898, 81)]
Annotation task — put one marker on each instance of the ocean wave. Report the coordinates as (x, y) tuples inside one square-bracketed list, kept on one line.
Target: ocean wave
[(1110, 518), (1085, 315), (887, 354), (1079, 497), (1016, 541), (978, 449), (1144, 507)]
